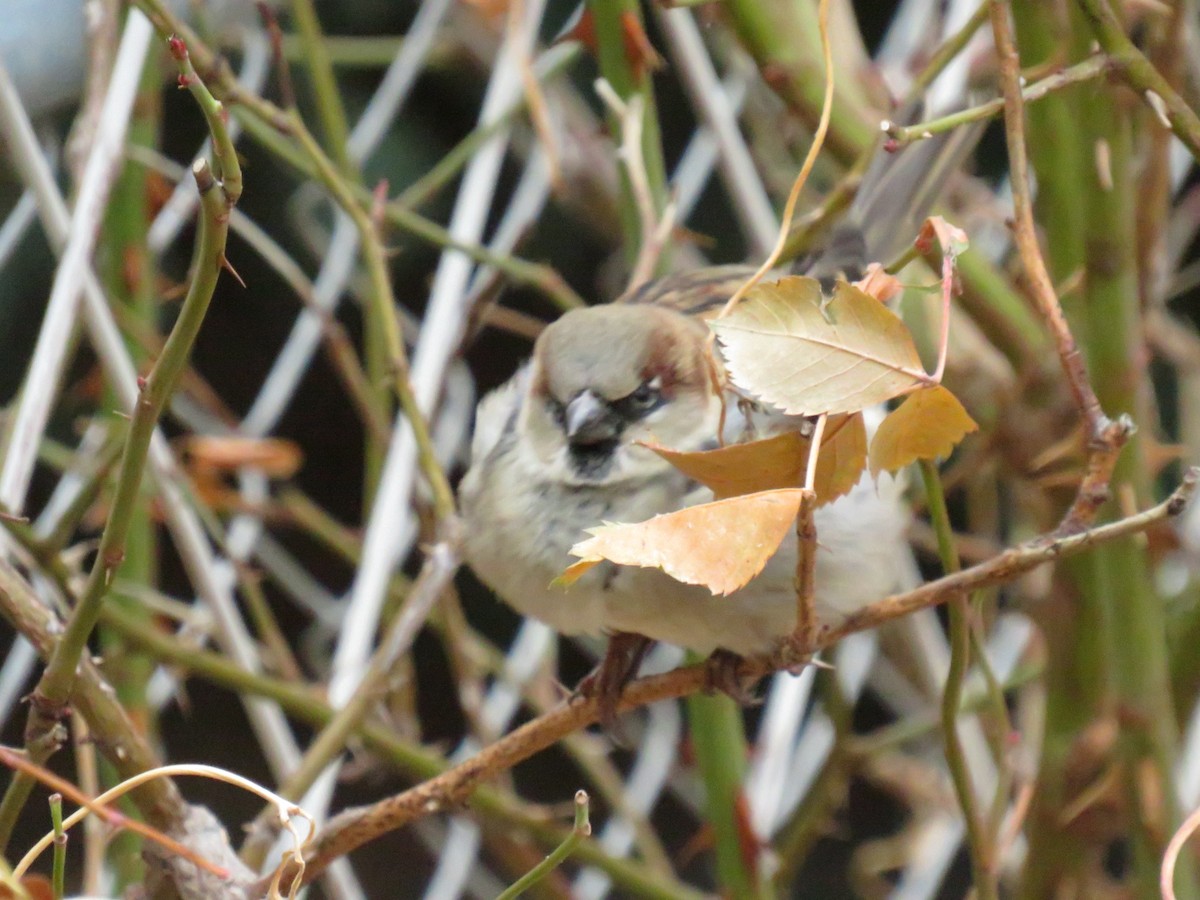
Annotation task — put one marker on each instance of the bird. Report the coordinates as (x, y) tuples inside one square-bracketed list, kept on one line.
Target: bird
[(560, 448)]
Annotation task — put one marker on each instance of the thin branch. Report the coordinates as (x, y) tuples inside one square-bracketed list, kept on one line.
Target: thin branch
[(1106, 436), (1092, 67), (355, 827)]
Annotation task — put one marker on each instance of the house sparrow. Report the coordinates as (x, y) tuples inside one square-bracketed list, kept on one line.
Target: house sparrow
[(557, 451)]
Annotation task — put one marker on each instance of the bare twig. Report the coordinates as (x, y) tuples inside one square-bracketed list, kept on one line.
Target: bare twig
[(1106, 437), (654, 227)]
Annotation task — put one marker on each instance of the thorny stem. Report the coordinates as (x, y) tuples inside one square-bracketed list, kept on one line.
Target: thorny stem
[(355, 827), (273, 127), (383, 311), (226, 167), (48, 702), (1106, 437), (960, 660)]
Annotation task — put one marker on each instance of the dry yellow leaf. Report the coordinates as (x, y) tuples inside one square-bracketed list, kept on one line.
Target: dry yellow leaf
[(276, 457), (927, 425), (720, 545), (787, 346), (739, 469), (843, 457), (779, 462)]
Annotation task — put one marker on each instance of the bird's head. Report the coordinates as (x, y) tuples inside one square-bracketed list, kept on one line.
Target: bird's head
[(606, 377)]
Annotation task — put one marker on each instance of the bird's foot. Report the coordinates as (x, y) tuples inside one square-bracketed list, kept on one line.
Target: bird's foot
[(620, 664), (722, 672)]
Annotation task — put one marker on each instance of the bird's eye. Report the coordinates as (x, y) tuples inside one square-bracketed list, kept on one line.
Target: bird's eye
[(558, 412), (647, 397)]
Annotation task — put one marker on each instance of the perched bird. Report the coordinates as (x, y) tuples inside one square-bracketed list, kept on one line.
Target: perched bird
[(556, 451)]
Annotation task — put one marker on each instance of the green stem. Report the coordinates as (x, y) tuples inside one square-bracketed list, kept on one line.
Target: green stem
[(719, 742), (960, 658), (1141, 74), (317, 59), (950, 48), (348, 51), (226, 167), (271, 127), (581, 830), (54, 688), (43, 731), (1090, 68), (782, 37), (59, 870)]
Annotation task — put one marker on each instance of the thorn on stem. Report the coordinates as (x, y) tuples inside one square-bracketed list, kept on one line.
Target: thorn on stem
[(177, 47), (228, 267)]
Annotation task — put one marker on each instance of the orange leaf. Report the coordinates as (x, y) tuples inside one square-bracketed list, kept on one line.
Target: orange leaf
[(747, 468), (720, 545), (927, 425), (843, 457), (778, 462), (787, 344), (879, 284)]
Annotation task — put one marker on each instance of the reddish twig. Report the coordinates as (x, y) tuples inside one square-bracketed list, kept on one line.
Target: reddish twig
[(17, 762)]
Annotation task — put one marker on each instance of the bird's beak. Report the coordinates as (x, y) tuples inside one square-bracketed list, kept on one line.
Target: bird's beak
[(590, 420)]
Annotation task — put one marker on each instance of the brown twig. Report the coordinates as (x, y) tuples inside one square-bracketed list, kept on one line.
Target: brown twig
[(355, 827), (1106, 436)]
